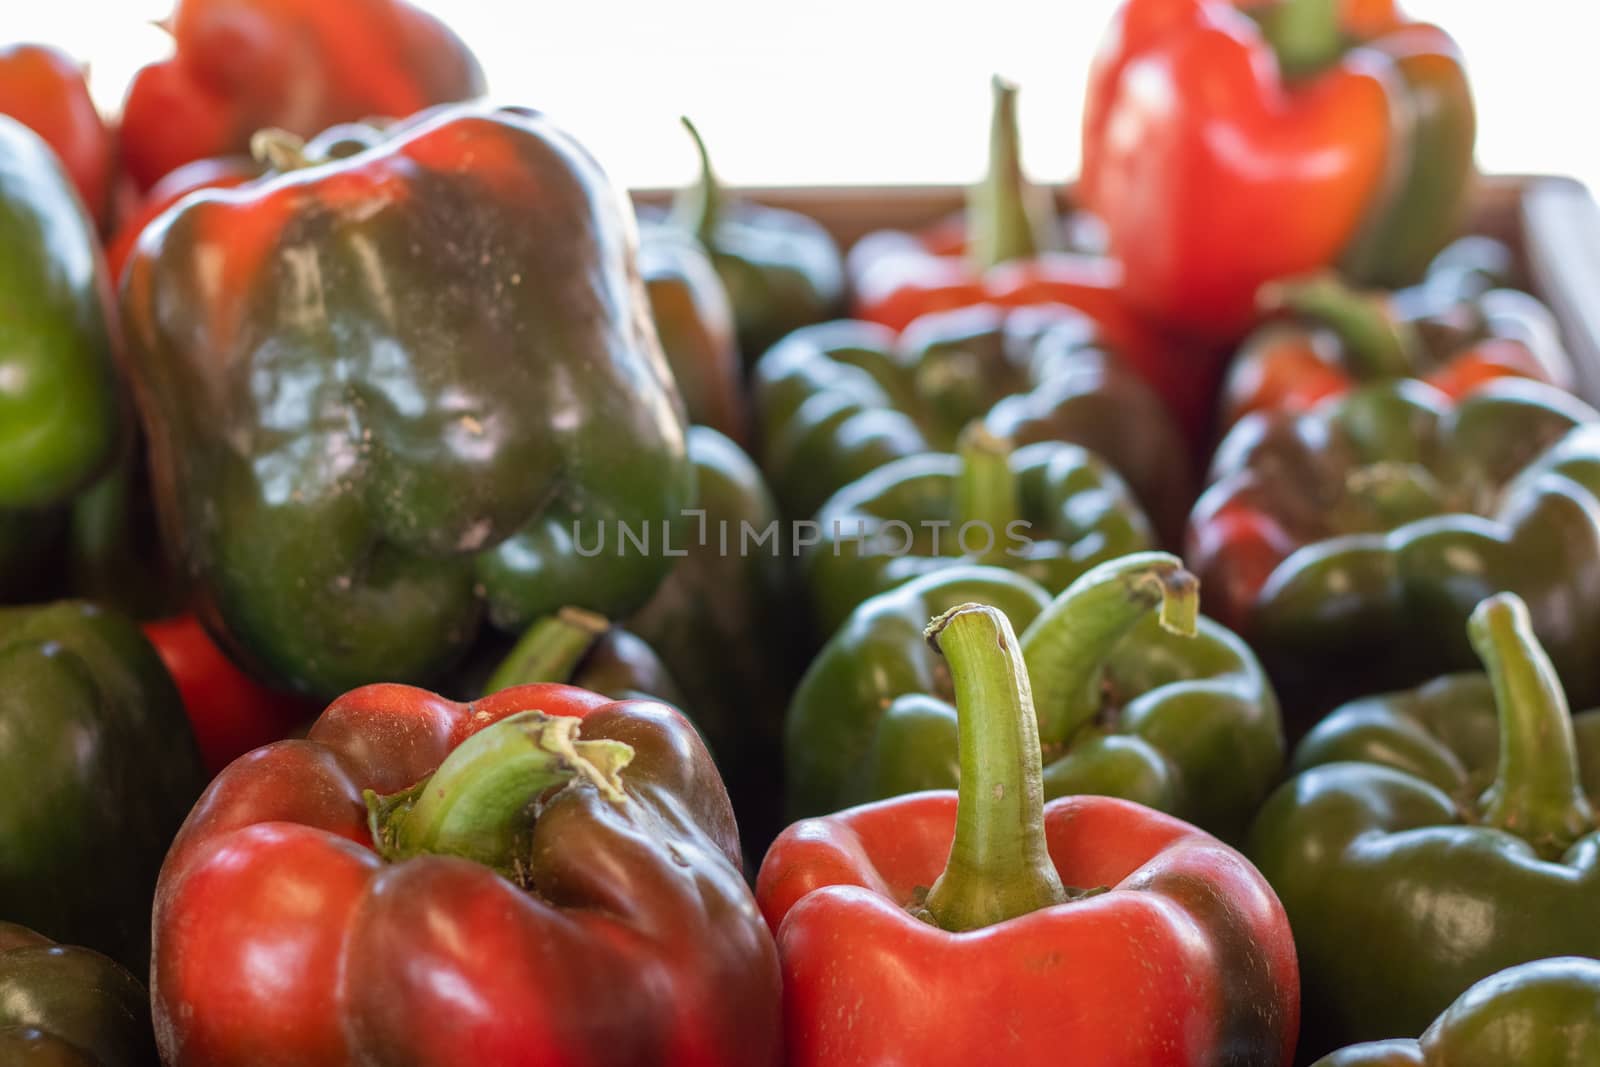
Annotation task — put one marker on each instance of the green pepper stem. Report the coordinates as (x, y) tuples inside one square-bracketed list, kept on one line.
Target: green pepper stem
[(986, 489), (1007, 217), (279, 149), (481, 802), (1305, 35), (1537, 792), (698, 208), (1375, 345), (999, 865), (1068, 644), (551, 650)]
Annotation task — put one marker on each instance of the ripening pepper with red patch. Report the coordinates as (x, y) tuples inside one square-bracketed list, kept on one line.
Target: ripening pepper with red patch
[(394, 386), (1227, 144), (239, 66), (542, 876)]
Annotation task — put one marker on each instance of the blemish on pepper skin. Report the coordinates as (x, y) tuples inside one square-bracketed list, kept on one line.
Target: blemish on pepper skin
[(999, 791)]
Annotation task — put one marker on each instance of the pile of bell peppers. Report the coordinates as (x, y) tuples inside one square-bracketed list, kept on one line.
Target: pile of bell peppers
[(449, 616)]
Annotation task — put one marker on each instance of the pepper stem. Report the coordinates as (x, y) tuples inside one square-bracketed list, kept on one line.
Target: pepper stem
[(481, 802), (279, 149), (1007, 217), (1306, 35), (698, 208), (999, 866), (551, 650), (1375, 344), (1537, 792), (986, 490), (1068, 644)]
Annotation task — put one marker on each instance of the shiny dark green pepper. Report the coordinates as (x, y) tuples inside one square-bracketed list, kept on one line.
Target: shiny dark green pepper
[(64, 1006), (97, 770), (60, 408), (842, 399), (1050, 511), (782, 270), (1541, 1014), (385, 390), (1435, 837), (1151, 705)]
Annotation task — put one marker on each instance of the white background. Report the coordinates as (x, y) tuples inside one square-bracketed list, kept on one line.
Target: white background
[(839, 91)]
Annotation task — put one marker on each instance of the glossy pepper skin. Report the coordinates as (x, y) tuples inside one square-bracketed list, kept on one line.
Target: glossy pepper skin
[(1011, 255), (1451, 836), (402, 376), (1323, 337), (64, 1006), (97, 768), (840, 400), (1541, 1014), (239, 66), (223, 172), (1050, 511), (1186, 724), (607, 922), (1380, 518), (1224, 151), (60, 411), (1171, 949), (694, 320), (726, 623), (781, 269), (45, 90)]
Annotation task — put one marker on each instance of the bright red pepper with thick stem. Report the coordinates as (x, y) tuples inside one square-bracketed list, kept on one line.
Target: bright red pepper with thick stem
[(229, 711), (1008, 256), (300, 65), (45, 90), (1174, 951), (541, 877), (1224, 151)]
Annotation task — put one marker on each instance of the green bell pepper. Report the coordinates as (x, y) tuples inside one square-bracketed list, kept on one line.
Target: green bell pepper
[(403, 381), (1376, 521), (1454, 836), (782, 270), (1151, 705), (1050, 511), (1541, 1014), (840, 400), (63, 1006), (97, 770)]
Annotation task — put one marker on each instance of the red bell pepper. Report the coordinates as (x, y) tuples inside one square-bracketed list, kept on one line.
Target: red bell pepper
[(45, 91), (229, 711), (1173, 951), (1009, 256), (541, 877), (300, 65), (1224, 151), (225, 172)]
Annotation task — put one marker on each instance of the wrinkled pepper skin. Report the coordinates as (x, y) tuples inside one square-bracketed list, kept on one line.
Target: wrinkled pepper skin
[(1451, 330), (239, 66), (842, 399), (63, 1006), (404, 376), (97, 768), (620, 930), (1065, 510), (60, 413), (1186, 725), (695, 323), (1377, 520), (725, 623), (781, 269), (45, 90), (1435, 837), (1541, 1014), (1199, 131), (1184, 959)]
